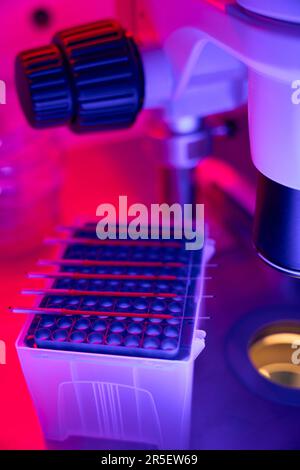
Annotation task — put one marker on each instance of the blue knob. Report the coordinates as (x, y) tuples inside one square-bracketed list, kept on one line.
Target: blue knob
[(91, 78)]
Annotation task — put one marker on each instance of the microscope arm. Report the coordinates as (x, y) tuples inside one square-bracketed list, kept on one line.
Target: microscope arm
[(270, 49)]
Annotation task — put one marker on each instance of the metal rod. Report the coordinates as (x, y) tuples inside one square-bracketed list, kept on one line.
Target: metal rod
[(85, 262), (74, 292), (63, 311), (88, 241), (79, 275)]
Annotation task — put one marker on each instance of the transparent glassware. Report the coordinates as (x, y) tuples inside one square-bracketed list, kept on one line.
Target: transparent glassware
[(31, 173)]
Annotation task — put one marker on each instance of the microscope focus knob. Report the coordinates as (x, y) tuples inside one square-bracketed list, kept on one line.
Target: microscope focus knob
[(43, 87), (91, 77)]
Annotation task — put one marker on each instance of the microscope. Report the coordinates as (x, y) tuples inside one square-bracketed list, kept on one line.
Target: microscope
[(95, 77), (205, 57)]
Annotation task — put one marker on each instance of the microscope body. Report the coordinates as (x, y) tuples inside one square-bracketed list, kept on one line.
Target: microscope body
[(265, 40)]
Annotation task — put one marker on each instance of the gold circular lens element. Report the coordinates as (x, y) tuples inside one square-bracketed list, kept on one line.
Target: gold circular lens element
[(275, 353)]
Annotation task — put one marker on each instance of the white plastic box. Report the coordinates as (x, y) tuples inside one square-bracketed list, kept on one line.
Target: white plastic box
[(112, 397), (133, 399)]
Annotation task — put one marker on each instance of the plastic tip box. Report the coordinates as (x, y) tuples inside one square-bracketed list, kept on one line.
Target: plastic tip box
[(136, 300)]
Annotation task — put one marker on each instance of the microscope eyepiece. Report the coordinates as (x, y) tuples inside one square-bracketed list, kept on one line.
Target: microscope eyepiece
[(91, 78), (277, 225)]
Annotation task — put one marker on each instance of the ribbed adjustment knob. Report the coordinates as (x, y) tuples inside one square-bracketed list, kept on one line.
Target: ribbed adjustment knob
[(99, 81), (43, 86)]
